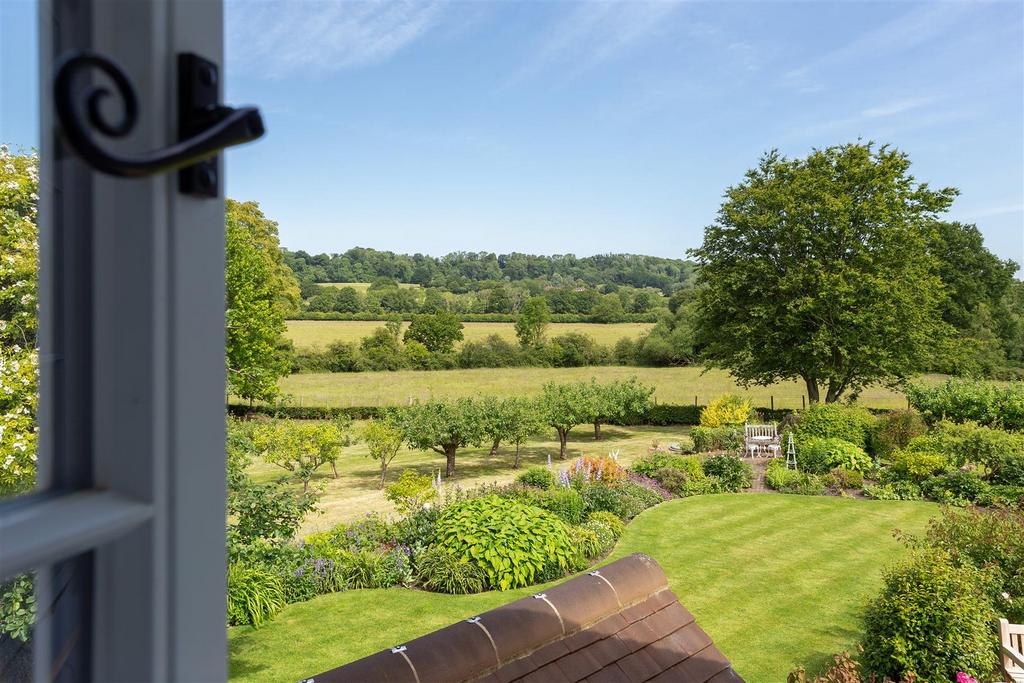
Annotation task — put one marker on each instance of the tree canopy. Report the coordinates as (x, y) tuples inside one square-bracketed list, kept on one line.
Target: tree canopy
[(436, 331), (819, 269), (444, 427), (533, 321)]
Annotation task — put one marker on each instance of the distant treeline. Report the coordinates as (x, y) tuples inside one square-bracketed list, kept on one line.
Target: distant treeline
[(461, 272)]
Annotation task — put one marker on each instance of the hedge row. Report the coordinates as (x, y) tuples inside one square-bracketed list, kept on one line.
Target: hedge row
[(657, 415), (469, 317)]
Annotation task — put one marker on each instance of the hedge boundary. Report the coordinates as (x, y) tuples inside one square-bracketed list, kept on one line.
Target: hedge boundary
[(469, 317)]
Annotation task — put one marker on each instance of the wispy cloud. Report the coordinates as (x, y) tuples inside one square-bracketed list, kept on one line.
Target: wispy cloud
[(595, 32), (883, 119), (986, 211), (909, 30), (896, 107), (281, 38)]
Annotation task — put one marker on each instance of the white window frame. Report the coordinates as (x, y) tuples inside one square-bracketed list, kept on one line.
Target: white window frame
[(126, 532)]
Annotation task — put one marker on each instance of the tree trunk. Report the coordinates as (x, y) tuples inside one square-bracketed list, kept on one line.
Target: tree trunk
[(449, 456), (597, 431), (833, 393), (563, 435), (494, 447), (334, 467), (383, 474), (515, 465), (812, 390)]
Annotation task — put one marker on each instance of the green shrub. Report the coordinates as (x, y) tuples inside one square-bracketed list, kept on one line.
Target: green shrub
[(792, 481), (917, 465), (894, 430), (255, 594), (586, 542), (728, 410), (1003, 495), (538, 477), (687, 482), (374, 568), (411, 492), (730, 470), (707, 439), (441, 571), (898, 490), (962, 400), (610, 520), (568, 504), (957, 486), (842, 478), (652, 462), (601, 498), (818, 455), (634, 499), (417, 529), (834, 421), (605, 536), (969, 442), (1009, 471), (511, 542), (931, 619), (990, 540)]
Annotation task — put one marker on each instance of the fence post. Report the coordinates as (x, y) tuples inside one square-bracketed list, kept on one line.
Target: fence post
[(803, 402), (773, 406), (694, 401)]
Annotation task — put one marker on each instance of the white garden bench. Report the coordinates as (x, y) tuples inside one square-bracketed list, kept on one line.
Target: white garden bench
[(1011, 641), (761, 440)]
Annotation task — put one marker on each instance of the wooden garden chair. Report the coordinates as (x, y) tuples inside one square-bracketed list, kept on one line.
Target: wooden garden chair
[(1011, 640)]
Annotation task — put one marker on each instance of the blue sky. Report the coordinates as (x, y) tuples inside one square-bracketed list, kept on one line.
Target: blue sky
[(598, 127)]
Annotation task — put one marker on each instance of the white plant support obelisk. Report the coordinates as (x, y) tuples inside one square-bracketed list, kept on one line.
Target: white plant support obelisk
[(791, 453)]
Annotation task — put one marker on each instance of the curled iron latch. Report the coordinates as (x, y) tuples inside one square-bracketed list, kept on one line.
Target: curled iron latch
[(204, 126)]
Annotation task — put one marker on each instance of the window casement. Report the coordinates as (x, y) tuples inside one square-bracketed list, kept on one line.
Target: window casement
[(126, 529)]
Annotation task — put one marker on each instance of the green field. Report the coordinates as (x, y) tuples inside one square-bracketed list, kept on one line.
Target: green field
[(309, 333), (672, 385), (777, 581), (355, 492), (363, 286)]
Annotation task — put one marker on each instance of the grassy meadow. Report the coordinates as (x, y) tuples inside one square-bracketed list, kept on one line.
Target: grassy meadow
[(759, 572), (355, 492), (321, 333), (672, 385), (363, 286)]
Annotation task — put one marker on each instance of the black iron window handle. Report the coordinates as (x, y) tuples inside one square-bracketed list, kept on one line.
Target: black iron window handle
[(204, 126)]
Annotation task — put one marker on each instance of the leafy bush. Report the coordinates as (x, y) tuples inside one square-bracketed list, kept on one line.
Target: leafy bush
[(369, 533), (255, 594), (961, 400), (716, 439), (1003, 495), (602, 468), (728, 410), (511, 542), (969, 442), (602, 532), (686, 482), (615, 525), (417, 529), (784, 480), (652, 462), (598, 498), (634, 498), (987, 539), (834, 421), (894, 430), (375, 568), (730, 470), (1010, 470), (18, 607), (918, 465), (411, 492), (898, 490), (842, 478), (586, 542), (538, 477), (818, 455), (568, 505), (932, 619), (958, 486), (441, 571)]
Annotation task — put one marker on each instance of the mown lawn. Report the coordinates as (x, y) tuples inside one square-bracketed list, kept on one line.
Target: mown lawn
[(354, 492), (672, 385), (322, 333), (777, 581)]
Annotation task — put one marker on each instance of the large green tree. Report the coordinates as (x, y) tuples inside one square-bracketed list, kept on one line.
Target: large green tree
[(533, 321), (564, 406), (819, 269), (444, 427), (436, 331), (261, 290)]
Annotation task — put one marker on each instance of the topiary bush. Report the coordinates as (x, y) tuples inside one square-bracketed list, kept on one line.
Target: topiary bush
[(255, 594), (707, 439), (511, 542), (441, 571), (834, 421), (538, 477), (615, 525), (728, 410), (932, 619), (895, 430)]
